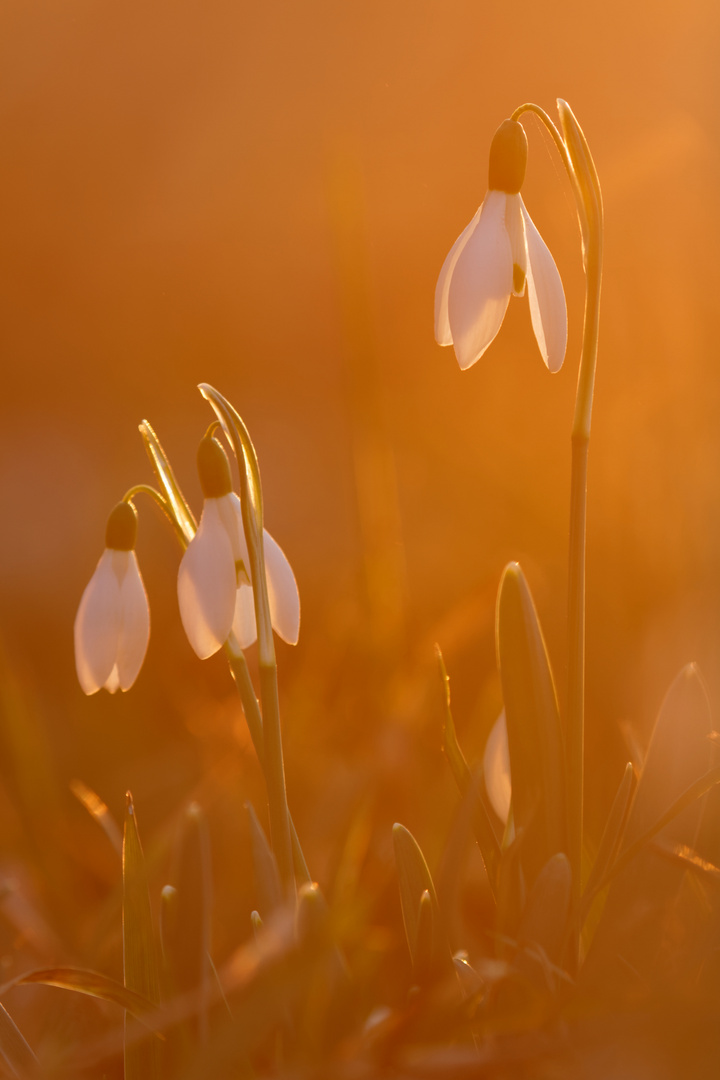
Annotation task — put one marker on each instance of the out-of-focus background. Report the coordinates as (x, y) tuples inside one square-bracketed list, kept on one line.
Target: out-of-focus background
[(261, 196)]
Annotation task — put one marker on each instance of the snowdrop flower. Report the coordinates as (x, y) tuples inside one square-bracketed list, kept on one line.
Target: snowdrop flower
[(214, 587), (112, 626), (493, 258)]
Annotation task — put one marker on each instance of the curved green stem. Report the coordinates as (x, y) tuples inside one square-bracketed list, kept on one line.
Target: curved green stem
[(252, 516), (557, 138), (575, 153), (253, 717), (162, 502)]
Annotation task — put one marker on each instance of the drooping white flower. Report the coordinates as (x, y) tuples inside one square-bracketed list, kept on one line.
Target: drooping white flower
[(214, 581), (492, 259), (112, 626)]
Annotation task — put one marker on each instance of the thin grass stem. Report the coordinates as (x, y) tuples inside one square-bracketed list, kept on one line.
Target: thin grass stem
[(251, 708)]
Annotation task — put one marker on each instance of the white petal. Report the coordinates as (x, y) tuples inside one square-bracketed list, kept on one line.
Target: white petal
[(515, 225), (282, 591), (244, 626), (207, 584), (442, 325), (97, 626), (481, 283), (112, 683), (496, 768), (547, 299), (134, 624), (230, 510)]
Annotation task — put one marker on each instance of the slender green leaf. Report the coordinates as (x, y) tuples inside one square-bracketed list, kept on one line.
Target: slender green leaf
[(648, 892), (182, 513), (188, 949), (267, 878), (142, 1059), (99, 811), (689, 798), (511, 891), (679, 752), (253, 717), (482, 826), (425, 948), (14, 1048), (545, 919), (613, 831), (533, 724), (313, 917), (90, 983), (414, 879)]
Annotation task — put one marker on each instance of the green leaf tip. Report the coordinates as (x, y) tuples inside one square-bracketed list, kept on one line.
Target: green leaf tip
[(537, 760)]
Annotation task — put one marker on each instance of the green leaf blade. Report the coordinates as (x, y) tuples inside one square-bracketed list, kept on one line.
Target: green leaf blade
[(140, 964), (535, 743)]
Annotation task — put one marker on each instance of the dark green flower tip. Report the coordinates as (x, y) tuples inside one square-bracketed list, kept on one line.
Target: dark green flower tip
[(121, 529), (214, 469), (508, 158)]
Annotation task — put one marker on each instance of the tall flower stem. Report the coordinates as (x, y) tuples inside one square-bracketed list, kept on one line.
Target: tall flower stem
[(574, 150), (265, 728), (252, 515), (251, 708), (576, 563)]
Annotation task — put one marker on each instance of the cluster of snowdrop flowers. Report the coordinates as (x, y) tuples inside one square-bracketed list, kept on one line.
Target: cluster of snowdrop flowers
[(215, 593), (495, 256)]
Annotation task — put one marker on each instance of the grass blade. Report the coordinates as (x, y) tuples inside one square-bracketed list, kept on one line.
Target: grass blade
[(99, 811), (482, 826), (415, 880), (267, 878), (14, 1048), (612, 833), (90, 983), (544, 921), (183, 515), (140, 966), (533, 724)]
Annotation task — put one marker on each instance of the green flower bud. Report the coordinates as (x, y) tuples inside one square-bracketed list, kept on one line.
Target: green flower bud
[(213, 468), (508, 158), (121, 529)]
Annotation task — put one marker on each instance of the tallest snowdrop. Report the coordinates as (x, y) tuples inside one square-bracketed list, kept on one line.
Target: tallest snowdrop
[(493, 259)]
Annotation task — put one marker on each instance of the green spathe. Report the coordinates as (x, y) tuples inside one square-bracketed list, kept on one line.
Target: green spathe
[(213, 469), (121, 528), (508, 158)]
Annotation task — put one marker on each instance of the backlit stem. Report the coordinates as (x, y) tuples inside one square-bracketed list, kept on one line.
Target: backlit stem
[(574, 150)]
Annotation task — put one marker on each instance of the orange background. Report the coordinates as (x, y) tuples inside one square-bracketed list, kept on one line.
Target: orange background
[(261, 196)]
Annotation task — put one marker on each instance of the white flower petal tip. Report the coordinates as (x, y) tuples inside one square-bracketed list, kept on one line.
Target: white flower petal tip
[(112, 626), (548, 311), (207, 582), (480, 282), (283, 592), (214, 590), (496, 768)]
